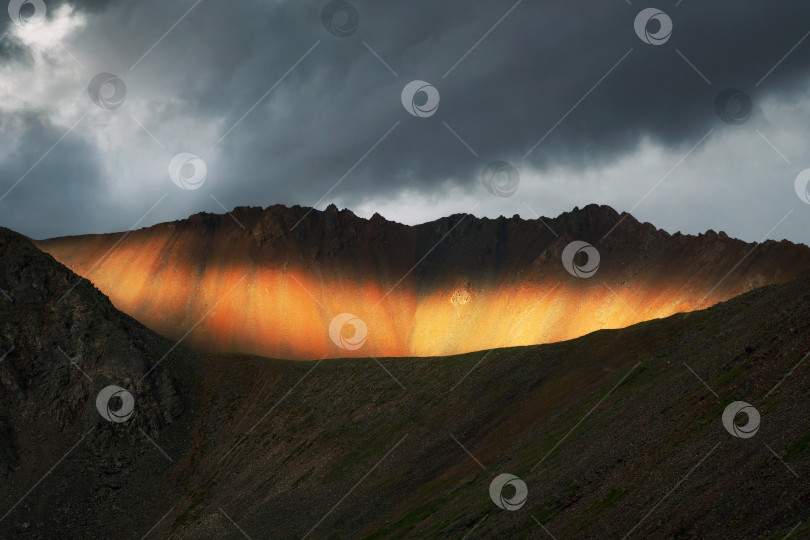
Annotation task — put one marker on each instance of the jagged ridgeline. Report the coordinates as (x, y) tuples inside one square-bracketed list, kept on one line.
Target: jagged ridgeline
[(274, 279)]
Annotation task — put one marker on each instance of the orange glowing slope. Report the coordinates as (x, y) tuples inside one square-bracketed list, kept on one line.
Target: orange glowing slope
[(450, 286)]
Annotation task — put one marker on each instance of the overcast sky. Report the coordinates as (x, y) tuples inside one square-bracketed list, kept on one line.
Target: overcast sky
[(301, 102)]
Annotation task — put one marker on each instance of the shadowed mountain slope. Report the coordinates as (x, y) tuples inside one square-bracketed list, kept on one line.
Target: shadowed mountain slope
[(269, 282), (612, 432), (61, 342)]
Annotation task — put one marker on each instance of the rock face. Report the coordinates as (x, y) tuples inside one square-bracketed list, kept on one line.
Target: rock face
[(454, 285), (61, 342)]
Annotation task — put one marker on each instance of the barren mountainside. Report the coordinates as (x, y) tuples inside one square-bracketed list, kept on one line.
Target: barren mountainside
[(270, 281), (61, 342), (617, 434)]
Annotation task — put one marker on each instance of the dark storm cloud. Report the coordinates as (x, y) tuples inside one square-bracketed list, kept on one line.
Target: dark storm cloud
[(55, 190), (501, 99), (506, 94)]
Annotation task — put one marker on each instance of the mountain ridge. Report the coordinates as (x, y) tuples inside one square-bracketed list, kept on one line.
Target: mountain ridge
[(421, 290), (299, 211), (605, 430)]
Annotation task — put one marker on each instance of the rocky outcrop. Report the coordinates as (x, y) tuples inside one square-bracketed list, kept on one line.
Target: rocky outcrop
[(61, 343)]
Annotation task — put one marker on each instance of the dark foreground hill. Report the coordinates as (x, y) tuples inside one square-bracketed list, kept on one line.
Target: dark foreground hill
[(65, 472), (615, 434)]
